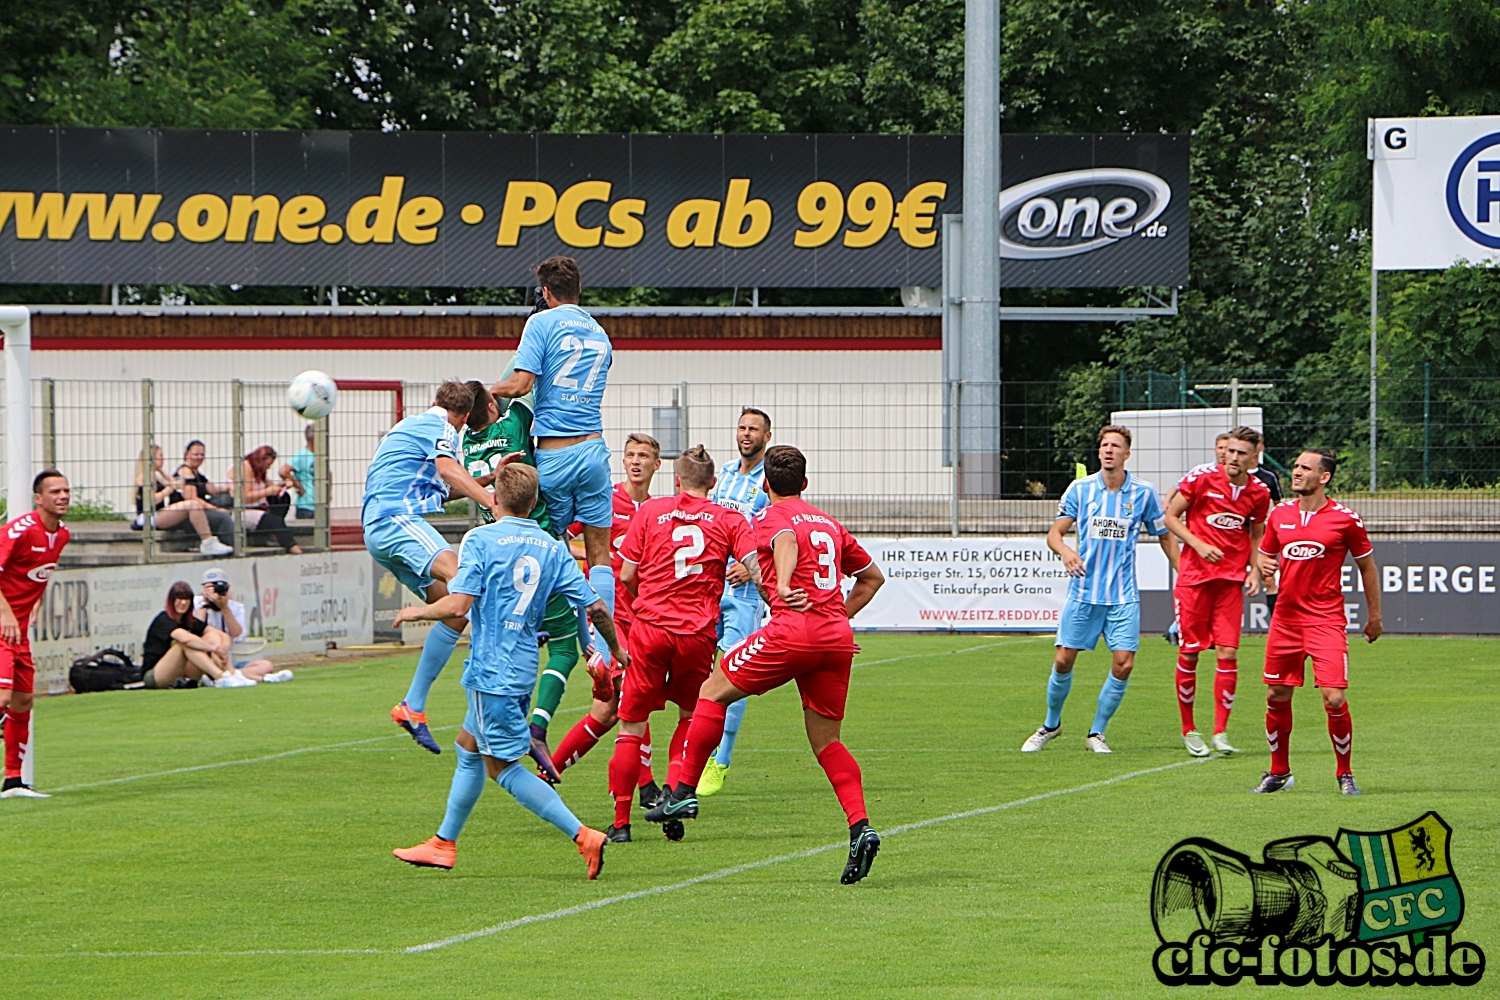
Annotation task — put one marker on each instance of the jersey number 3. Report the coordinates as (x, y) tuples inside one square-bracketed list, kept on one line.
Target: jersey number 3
[(823, 542), (564, 379), (693, 536)]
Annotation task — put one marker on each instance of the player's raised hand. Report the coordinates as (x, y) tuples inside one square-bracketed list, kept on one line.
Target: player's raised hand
[(505, 460), (406, 614), (1374, 628)]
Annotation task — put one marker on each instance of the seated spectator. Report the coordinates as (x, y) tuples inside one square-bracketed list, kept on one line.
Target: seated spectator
[(173, 510), (300, 474), (267, 503), (197, 486), (175, 649), (225, 618)]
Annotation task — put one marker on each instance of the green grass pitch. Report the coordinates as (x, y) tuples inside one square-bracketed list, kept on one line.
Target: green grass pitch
[(271, 876)]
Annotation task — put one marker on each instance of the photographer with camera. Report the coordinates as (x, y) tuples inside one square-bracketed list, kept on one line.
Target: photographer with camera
[(224, 619)]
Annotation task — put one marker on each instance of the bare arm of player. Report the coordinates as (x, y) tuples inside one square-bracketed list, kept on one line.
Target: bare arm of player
[(457, 477), (629, 578), (784, 558), (1176, 507), (519, 384), (1169, 546), (599, 615), (1071, 563), (447, 606), (1252, 572), (866, 582), (1369, 574)]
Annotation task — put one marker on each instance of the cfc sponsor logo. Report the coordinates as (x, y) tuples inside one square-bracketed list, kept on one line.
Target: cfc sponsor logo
[(1226, 520), (1302, 551), (42, 574), (1471, 191)]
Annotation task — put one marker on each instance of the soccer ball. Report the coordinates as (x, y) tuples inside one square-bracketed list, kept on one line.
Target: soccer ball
[(312, 394)]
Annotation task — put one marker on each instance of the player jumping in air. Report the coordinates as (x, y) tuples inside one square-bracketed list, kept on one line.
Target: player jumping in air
[(673, 562), (1111, 507), (413, 469), (741, 487), (506, 572), (803, 556), (29, 550), (1226, 510), (641, 459), (564, 357), (1307, 539)]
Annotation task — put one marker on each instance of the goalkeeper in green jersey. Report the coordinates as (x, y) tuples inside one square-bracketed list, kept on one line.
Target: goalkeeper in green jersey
[(491, 434)]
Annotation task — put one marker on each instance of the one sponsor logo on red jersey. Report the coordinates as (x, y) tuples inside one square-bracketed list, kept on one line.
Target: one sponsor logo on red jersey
[(1227, 520), (1302, 551), (41, 574)]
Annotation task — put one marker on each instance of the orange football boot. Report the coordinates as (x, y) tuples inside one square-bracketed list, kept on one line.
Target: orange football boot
[(591, 846), (598, 666), (432, 853)]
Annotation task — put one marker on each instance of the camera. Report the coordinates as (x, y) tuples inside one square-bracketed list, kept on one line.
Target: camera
[(221, 587)]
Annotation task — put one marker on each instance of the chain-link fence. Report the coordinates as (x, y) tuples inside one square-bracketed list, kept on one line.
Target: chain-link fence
[(879, 455)]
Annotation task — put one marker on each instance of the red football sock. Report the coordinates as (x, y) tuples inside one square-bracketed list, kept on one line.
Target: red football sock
[(17, 734), (1279, 735), (1225, 677), (1340, 731), (623, 766), (675, 750), (645, 777), (586, 732), (1187, 690), (702, 739), (848, 785)]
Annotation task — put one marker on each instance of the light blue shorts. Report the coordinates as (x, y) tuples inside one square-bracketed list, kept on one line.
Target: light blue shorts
[(738, 617), (499, 723), (575, 483), (1082, 624), (406, 545)]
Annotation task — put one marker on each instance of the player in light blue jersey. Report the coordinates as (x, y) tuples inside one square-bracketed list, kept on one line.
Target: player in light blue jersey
[(417, 463), (1111, 508), (507, 571), (741, 487), (564, 358)]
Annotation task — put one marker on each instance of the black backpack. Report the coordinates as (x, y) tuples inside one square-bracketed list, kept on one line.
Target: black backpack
[(105, 670)]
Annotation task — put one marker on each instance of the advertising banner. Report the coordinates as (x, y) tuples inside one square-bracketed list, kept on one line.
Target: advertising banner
[(1437, 191), (298, 604), (477, 209)]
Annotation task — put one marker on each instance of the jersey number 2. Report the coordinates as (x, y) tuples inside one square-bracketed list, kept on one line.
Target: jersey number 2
[(526, 574), (572, 343), (823, 541), (694, 548)]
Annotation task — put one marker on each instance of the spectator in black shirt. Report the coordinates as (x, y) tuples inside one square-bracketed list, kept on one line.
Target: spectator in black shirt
[(175, 648), (197, 486)]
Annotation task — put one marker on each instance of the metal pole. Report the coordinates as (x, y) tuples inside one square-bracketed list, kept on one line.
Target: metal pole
[(980, 352), (49, 423), (322, 495), (1426, 420), (682, 416), (15, 323), (148, 471), (953, 255), (1234, 402), (1374, 347), (238, 408), (955, 389)]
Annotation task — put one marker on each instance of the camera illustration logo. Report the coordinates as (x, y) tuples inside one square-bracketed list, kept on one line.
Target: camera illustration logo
[(1364, 908)]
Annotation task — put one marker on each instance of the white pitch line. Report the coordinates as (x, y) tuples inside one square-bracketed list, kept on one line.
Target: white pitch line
[(626, 897), (949, 652)]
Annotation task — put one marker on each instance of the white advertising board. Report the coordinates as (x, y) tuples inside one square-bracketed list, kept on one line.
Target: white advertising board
[(1437, 191), (978, 584), (299, 604)]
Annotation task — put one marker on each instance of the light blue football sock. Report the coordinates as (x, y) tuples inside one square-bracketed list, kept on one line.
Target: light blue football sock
[(733, 716), (1058, 686), (602, 579), (436, 650), (538, 796), (468, 782), (1109, 700)]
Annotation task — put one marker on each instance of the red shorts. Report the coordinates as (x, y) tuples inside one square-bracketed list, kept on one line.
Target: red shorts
[(664, 667), (17, 672), (1209, 614), (1289, 645), (764, 660)]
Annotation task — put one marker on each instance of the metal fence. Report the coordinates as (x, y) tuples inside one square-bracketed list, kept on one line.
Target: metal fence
[(878, 454)]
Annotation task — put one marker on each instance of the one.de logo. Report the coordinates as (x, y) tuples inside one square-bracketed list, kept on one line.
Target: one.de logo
[(1473, 192), (1074, 212), (1226, 520), (1301, 551), (41, 574)]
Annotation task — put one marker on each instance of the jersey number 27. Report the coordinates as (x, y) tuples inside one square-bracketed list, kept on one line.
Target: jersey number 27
[(564, 379)]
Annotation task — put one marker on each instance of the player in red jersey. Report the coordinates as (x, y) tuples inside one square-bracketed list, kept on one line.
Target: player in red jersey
[(641, 459), (1307, 540), (804, 555), (674, 561), (1226, 510), (29, 548)]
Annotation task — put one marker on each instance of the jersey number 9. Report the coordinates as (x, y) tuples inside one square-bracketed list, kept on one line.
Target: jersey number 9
[(526, 574)]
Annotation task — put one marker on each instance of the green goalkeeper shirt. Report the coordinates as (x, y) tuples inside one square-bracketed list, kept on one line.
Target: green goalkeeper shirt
[(484, 448)]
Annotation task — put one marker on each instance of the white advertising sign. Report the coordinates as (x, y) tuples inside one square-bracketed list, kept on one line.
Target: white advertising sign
[(978, 584), (299, 604), (1437, 191)]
